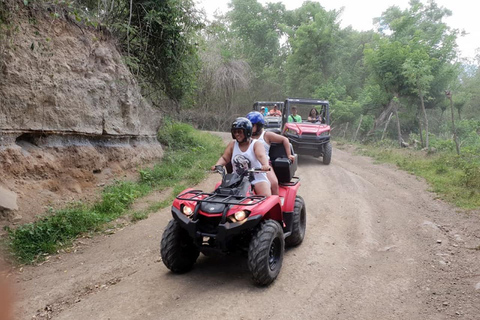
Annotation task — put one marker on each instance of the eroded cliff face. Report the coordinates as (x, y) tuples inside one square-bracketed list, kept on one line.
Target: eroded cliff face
[(57, 76), (71, 114)]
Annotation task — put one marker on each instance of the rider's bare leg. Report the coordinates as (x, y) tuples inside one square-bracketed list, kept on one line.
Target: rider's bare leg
[(272, 177), (262, 189)]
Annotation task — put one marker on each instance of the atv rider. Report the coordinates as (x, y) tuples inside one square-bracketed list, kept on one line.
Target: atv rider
[(245, 153), (267, 137)]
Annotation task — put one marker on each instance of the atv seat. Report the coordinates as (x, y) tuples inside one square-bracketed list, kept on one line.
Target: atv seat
[(284, 170)]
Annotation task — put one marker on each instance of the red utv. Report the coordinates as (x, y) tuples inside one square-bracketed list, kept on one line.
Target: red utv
[(232, 218), (309, 137)]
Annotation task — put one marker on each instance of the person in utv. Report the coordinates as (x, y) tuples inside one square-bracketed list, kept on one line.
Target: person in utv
[(245, 153), (275, 112), (267, 137), (314, 116), (294, 117)]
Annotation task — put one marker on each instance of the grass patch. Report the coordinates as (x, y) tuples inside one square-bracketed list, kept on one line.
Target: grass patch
[(455, 179), (188, 155)]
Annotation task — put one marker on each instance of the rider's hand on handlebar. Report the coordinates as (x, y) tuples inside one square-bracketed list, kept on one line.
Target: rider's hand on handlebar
[(266, 168), (291, 158), (217, 168)]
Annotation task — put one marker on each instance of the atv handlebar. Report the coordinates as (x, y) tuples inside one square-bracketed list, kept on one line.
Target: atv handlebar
[(221, 169)]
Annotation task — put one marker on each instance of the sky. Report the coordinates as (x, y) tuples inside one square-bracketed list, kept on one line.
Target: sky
[(360, 14)]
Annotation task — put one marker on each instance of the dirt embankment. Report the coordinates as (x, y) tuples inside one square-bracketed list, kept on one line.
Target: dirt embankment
[(72, 117)]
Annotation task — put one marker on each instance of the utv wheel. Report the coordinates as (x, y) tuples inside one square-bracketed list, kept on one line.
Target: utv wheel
[(299, 223), (265, 253), (327, 153), (177, 249)]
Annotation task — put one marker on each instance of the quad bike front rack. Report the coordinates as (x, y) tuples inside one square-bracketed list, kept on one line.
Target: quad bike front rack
[(195, 195)]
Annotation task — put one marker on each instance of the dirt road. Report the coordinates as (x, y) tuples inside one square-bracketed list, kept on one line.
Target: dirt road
[(378, 246)]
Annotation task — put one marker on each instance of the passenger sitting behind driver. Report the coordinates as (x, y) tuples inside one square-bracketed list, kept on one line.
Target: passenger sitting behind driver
[(267, 137), (245, 153), (313, 116)]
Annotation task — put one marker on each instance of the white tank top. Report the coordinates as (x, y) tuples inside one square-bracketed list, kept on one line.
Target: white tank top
[(265, 144), (242, 161)]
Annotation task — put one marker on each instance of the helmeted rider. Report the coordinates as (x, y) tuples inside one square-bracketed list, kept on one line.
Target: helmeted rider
[(267, 137), (245, 153)]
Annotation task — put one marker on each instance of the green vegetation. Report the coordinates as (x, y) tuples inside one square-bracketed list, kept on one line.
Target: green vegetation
[(188, 155), (454, 178)]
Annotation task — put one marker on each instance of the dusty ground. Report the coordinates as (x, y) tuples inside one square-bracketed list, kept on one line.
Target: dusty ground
[(378, 246)]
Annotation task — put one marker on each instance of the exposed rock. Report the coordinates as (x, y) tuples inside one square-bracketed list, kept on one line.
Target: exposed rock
[(58, 77), (8, 200)]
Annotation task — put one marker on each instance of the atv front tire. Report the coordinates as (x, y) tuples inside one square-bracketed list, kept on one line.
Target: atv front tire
[(327, 153), (265, 253), (177, 249), (299, 223)]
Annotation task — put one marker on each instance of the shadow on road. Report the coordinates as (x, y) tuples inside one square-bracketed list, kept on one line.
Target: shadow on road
[(223, 272)]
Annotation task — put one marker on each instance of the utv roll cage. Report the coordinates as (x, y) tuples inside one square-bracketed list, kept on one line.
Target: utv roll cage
[(289, 102)]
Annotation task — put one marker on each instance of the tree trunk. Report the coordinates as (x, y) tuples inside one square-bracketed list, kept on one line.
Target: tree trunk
[(346, 128), (386, 125), (395, 110), (449, 96), (420, 93), (420, 127), (358, 128)]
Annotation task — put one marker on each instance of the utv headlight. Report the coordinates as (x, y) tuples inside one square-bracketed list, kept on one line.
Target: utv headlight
[(186, 210), (291, 132), (325, 133)]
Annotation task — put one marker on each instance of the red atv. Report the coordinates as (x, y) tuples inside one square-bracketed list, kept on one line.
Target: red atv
[(233, 218)]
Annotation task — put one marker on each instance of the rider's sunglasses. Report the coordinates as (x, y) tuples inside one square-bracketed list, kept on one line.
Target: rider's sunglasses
[(237, 131)]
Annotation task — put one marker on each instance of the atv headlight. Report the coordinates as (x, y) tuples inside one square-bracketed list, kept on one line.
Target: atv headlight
[(239, 216), (325, 133), (186, 210)]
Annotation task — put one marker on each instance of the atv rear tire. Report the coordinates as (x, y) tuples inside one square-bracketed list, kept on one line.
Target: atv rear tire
[(265, 253), (327, 153), (299, 223), (177, 249)]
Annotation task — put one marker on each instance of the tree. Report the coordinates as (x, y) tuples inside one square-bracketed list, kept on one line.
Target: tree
[(385, 61), (313, 39), (417, 71), (415, 53)]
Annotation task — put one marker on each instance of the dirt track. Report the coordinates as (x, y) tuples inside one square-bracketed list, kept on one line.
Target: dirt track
[(378, 246)]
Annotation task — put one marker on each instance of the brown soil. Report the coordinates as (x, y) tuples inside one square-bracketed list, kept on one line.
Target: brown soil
[(52, 177), (378, 246)]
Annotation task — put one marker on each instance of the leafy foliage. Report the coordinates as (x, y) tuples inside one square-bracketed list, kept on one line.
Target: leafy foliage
[(160, 37)]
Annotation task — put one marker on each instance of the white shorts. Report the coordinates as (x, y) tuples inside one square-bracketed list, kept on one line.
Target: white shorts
[(260, 177)]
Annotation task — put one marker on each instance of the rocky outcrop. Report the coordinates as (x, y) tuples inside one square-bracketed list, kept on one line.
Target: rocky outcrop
[(56, 76)]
